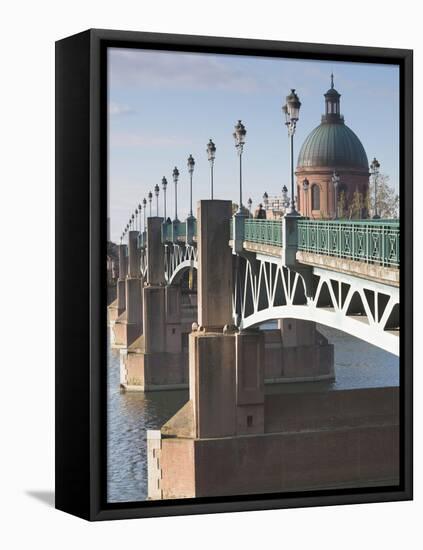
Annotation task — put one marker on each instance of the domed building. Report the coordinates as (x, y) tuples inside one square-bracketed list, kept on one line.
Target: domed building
[(331, 147)]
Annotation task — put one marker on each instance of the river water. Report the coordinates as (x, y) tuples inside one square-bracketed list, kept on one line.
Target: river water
[(357, 365)]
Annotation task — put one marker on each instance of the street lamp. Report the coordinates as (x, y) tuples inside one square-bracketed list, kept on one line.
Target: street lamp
[(175, 175), (136, 219), (156, 192), (335, 181), (164, 185), (211, 155), (239, 137), (306, 186), (265, 200), (150, 198), (250, 204), (139, 210), (144, 202), (374, 169), (191, 164), (132, 220), (291, 111)]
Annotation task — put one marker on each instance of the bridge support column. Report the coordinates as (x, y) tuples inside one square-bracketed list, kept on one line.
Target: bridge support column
[(128, 326), (123, 271), (117, 307), (157, 360), (226, 369), (306, 353), (297, 352)]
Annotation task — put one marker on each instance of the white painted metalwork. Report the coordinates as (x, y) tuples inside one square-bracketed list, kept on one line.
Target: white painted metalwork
[(179, 257), (266, 290)]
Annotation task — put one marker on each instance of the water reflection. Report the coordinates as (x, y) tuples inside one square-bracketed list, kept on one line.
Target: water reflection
[(129, 417), (357, 365)]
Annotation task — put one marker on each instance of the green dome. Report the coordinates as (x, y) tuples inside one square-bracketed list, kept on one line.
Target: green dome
[(334, 145)]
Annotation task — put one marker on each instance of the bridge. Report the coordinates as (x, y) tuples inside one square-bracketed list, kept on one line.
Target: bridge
[(340, 273), (190, 297)]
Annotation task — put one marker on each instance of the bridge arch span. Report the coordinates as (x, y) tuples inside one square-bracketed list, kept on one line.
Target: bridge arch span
[(178, 272), (385, 340), (265, 291)]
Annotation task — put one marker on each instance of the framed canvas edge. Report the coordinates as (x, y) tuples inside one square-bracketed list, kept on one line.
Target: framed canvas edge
[(99, 40)]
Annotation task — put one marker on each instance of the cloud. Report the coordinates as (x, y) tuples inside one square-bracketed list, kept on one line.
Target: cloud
[(136, 139), (175, 70), (115, 109)]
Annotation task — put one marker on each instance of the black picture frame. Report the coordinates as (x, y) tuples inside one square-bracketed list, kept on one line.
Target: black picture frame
[(81, 221)]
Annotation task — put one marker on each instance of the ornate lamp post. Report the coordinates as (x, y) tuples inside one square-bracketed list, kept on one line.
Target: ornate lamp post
[(306, 187), (265, 200), (139, 210), (156, 192), (136, 219), (150, 198), (239, 137), (374, 170), (132, 221), (164, 186), (175, 175), (291, 111), (191, 164), (335, 182), (211, 155), (144, 202), (250, 204)]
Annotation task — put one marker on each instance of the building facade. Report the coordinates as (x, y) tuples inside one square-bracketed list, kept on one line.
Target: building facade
[(332, 147)]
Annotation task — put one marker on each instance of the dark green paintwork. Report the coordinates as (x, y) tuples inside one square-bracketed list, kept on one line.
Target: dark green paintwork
[(335, 145)]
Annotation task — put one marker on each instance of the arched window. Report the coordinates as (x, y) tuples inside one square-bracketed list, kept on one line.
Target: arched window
[(315, 197)]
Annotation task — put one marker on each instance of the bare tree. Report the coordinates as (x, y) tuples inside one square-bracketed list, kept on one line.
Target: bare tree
[(341, 204), (356, 207), (386, 197)]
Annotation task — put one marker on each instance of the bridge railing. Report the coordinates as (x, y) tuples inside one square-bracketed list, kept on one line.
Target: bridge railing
[(365, 241), (178, 231), (173, 232), (263, 231)]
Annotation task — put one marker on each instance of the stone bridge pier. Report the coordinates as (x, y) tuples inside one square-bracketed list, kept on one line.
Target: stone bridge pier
[(297, 352), (129, 325), (117, 307), (157, 358), (226, 368)]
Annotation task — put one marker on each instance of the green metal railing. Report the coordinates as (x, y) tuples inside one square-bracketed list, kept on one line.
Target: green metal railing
[(361, 240), (174, 232), (367, 241), (263, 231)]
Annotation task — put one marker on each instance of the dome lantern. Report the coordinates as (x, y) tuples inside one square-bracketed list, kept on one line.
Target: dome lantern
[(333, 104)]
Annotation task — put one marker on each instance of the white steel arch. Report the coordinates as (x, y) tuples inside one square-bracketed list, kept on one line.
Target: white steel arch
[(179, 257), (266, 290)]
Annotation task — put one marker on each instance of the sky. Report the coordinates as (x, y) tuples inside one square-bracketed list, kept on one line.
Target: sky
[(164, 106)]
